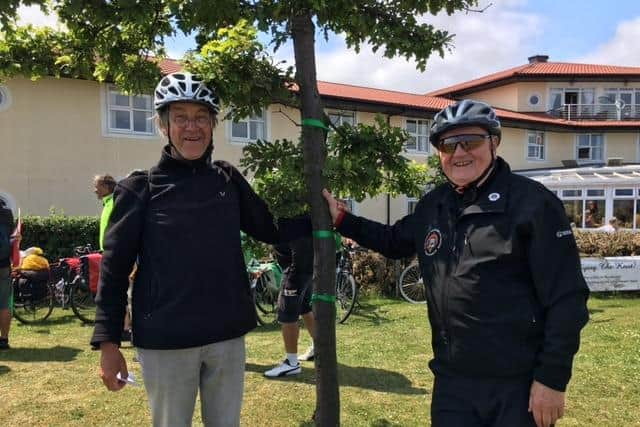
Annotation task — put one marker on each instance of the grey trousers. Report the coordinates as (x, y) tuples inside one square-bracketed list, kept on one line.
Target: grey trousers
[(172, 379)]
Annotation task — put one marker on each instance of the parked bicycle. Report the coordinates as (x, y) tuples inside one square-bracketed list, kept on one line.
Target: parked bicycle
[(68, 283), (265, 281), (411, 285)]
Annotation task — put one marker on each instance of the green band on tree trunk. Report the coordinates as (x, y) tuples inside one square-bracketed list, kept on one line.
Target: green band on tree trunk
[(323, 234), (314, 123), (331, 299)]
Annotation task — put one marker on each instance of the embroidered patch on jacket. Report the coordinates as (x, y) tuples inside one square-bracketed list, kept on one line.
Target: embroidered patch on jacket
[(494, 196), (432, 242), (563, 233), (290, 292)]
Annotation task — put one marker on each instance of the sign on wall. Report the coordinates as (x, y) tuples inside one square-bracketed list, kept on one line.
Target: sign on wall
[(612, 273)]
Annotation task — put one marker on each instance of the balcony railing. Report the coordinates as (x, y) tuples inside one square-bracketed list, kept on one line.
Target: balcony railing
[(597, 112)]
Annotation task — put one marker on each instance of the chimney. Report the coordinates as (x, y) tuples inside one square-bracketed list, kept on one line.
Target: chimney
[(538, 58)]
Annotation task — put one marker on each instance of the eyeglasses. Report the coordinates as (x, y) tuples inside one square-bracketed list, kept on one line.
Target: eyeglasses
[(183, 121), (467, 143)]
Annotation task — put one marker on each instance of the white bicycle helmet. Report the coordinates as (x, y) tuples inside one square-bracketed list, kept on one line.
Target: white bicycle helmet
[(184, 87)]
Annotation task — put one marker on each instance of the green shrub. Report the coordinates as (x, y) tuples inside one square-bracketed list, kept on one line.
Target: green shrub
[(375, 274), (57, 234), (601, 244)]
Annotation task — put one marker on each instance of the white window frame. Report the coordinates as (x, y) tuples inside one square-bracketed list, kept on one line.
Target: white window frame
[(412, 200), (590, 146), (541, 148), (263, 120), (417, 134), (107, 130), (5, 98), (342, 115)]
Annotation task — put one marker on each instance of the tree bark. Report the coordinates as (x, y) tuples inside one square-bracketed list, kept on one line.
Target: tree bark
[(314, 150)]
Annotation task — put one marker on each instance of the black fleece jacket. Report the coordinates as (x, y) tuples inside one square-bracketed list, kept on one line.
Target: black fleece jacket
[(182, 223), (505, 290)]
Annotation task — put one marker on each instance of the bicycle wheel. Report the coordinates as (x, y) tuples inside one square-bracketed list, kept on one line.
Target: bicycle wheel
[(346, 294), (411, 285), (265, 299), (28, 306), (82, 301)]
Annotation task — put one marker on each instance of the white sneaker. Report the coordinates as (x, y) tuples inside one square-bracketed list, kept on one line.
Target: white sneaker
[(308, 355), (283, 369)]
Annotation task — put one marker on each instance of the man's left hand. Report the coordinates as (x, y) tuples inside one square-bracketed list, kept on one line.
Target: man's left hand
[(546, 404)]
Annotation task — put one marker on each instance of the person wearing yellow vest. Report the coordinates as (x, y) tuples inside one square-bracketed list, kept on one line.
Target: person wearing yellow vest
[(103, 187)]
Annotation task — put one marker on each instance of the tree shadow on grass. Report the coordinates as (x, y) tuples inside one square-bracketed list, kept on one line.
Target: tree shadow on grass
[(368, 312), (353, 376), (53, 354), (56, 321)]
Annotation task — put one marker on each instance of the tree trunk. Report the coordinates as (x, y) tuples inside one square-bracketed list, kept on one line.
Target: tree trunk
[(314, 149)]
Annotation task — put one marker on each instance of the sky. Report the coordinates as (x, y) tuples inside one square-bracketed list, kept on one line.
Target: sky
[(503, 36)]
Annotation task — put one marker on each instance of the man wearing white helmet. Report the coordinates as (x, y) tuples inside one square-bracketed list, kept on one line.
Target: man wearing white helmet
[(505, 290), (192, 305)]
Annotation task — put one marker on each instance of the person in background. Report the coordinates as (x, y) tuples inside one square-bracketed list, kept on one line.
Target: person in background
[(103, 188), (611, 227), (294, 300), (6, 229), (506, 296)]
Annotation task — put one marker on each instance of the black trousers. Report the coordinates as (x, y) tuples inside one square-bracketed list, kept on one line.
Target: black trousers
[(474, 402)]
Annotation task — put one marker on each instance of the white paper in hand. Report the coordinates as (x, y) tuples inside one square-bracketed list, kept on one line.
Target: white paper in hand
[(130, 380)]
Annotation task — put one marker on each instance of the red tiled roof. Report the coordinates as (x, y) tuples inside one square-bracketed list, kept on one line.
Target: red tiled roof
[(168, 66), (381, 96), (542, 70)]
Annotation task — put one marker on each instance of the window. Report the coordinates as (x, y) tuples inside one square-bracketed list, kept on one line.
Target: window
[(590, 147), (249, 129), (338, 118), (572, 102), (129, 114), (535, 145), (594, 211), (534, 99), (412, 202), (5, 98), (418, 131)]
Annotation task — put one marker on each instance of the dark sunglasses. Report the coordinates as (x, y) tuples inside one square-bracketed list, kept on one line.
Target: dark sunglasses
[(467, 142)]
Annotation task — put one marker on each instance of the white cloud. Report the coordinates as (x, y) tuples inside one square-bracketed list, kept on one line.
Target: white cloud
[(33, 15), (501, 37), (622, 49)]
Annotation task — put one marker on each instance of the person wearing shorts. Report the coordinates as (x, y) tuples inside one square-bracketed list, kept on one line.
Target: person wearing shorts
[(294, 300)]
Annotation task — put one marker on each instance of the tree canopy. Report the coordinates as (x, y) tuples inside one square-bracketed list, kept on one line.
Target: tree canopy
[(123, 40)]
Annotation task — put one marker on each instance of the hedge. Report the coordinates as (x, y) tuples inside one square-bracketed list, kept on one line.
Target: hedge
[(601, 244), (57, 234)]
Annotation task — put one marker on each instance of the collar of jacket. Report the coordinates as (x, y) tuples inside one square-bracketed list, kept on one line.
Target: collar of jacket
[(169, 162), (492, 194), (107, 198)]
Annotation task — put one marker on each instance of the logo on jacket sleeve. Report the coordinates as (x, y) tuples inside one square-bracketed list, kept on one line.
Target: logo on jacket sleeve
[(432, 242)]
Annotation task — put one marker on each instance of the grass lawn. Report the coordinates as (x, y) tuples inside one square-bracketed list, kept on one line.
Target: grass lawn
[(49, 378)]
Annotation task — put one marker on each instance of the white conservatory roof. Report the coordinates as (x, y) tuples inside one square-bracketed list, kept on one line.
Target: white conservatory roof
[(627, 175)]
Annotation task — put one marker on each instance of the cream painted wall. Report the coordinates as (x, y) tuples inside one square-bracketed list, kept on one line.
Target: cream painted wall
[(621, 145), (500, 97), (526, 91)]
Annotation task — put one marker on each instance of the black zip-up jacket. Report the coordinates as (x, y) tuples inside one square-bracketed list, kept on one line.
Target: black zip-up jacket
[(182, 223), (505, 290)]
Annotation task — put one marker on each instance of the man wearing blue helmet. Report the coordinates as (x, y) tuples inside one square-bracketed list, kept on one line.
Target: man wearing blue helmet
[(192, 304), (505, 290)]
